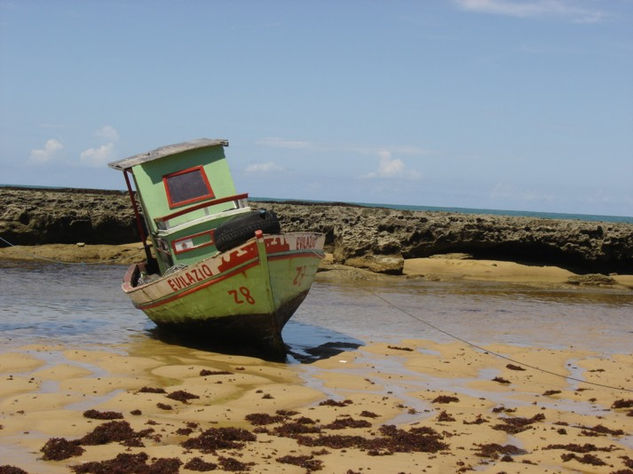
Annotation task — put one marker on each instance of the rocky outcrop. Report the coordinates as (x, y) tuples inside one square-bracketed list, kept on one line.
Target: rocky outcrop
[(373, 238), (362, 236), (65, 216)]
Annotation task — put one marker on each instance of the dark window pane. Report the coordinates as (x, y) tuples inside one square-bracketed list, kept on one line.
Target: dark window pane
[(187, 186)]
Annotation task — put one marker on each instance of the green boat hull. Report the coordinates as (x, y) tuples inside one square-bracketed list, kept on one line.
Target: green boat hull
[(246, 294)]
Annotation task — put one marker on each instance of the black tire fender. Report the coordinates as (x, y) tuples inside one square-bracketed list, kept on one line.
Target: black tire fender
[(238, 230)]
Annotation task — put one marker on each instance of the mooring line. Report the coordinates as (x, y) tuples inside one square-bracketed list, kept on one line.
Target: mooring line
[(539, 369)]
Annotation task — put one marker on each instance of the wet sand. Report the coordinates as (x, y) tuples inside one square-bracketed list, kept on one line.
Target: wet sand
[(411, 406), (445, 267), (453, 267), (417, 406), (76, 253)]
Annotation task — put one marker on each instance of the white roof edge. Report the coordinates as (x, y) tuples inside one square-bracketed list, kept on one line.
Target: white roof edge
[(167, 150)]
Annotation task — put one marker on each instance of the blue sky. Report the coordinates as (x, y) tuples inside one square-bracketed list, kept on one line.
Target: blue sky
[(501, 104)]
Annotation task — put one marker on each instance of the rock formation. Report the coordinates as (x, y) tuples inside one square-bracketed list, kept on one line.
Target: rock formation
[(373, 238), (43, 216), (376, 237)]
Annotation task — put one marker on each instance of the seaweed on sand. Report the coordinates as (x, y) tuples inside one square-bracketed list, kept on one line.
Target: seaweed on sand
[(622, 404), (586, 459), (130, 463), (57, 449), (493, 450), (599, 430), (578, 448), (264, 418), (514, 367), (445, 417), (444, 399), (219, 438), (206, 372), (291, 430), (501, 380), (392, 440), (182, 396), (113, 431), (151, 390), (347, 422), (518, 424), (333, 403), (232, 464), (102, 415), (307, 462), (6, 469), (197, 464)]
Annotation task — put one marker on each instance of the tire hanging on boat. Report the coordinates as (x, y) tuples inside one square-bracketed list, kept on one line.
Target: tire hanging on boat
[(238, 230)]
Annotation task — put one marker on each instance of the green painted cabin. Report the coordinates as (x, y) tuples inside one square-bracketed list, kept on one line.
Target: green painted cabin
[(185, 191)]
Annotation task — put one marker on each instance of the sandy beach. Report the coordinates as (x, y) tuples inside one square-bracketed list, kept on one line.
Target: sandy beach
[(339, 237), (417, 405), (414, 407)]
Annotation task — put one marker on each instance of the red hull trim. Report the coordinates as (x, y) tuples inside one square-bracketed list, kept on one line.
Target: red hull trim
[(201, 286), (213, 281)]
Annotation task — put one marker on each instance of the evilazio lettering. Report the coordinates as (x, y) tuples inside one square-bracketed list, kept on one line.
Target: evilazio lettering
[(190, 277)]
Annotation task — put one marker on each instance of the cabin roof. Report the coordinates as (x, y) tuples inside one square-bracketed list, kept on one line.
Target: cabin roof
[(167, 150)]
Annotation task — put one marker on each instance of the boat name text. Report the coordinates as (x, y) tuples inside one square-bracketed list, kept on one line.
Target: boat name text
[(306, 242), (190, 277)]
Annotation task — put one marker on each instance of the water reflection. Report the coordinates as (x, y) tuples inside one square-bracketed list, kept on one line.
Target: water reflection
[(84, 305)]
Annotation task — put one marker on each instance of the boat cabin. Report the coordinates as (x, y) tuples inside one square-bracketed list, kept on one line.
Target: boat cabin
[(185, 191)]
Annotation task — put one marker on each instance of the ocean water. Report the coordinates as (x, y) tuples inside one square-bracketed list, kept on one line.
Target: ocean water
[(82, 305)]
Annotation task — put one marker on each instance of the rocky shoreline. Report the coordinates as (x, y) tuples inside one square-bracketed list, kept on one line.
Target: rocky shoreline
[(374, 238)]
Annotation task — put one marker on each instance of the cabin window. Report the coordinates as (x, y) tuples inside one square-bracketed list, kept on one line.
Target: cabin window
[(187, 186)]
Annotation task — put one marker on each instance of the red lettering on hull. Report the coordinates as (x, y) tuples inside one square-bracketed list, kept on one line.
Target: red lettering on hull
[(206, 270), (194, 275), (306, 242)]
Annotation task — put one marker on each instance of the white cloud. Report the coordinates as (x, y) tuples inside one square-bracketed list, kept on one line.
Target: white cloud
[(276, 142), (390, 167), (42, 155), (109, 133), (101, 155), (98, 156), (566, 9), (397, 149), (263, 167)]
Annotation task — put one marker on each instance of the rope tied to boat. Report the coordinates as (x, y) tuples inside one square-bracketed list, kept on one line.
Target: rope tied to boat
[(496, 354)]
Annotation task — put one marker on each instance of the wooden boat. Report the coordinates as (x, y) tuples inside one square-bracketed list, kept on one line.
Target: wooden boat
[(218, 268)]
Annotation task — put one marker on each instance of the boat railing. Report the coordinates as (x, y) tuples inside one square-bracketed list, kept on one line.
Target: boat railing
[(239, 201)]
